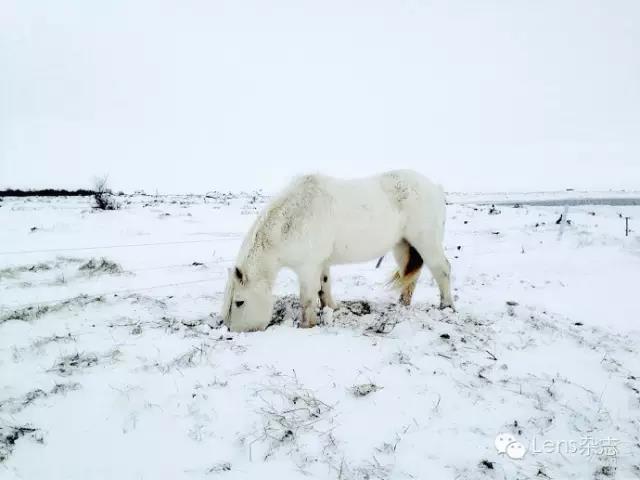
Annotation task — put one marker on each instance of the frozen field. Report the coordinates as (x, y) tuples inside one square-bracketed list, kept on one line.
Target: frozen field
[(112, 363)]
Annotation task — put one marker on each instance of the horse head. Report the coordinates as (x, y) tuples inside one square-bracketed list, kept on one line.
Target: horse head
[(247, 302)]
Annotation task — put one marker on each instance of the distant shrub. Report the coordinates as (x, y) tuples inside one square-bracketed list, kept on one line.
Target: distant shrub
[(103, 196)]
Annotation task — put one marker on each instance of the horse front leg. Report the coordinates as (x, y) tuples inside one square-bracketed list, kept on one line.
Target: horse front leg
[(310, 287), (326, 299)]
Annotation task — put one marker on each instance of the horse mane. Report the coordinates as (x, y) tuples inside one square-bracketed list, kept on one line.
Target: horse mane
[(277, 220)]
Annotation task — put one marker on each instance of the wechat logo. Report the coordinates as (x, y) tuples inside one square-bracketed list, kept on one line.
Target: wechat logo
[(507, 443)]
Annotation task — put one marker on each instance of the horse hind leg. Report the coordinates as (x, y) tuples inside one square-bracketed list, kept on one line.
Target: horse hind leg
[(433, 254), (409, 267)]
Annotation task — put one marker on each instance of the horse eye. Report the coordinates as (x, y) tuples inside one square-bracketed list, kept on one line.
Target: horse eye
[(239, 303)]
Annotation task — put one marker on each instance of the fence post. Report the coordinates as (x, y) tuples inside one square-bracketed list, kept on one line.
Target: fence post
[(563, 220)]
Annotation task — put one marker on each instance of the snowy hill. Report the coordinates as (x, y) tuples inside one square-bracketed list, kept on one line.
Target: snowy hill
[(113, 363)]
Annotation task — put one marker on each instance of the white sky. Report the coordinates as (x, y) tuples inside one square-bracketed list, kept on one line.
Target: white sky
[(195, 95)]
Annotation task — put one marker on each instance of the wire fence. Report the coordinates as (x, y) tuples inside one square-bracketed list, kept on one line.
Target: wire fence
[(125, 290), (107, 247), (142, 269)]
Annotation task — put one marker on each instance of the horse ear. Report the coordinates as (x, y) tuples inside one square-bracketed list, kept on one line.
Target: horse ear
[(239, 275)]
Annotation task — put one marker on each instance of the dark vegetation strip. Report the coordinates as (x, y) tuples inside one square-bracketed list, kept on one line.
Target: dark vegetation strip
[(46, 192), (560, 202)]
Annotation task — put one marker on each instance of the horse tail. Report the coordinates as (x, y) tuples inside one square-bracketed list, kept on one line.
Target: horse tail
[(398, 281), (406, 275)]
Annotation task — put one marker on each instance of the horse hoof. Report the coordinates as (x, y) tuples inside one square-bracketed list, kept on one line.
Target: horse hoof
[(308, 323)]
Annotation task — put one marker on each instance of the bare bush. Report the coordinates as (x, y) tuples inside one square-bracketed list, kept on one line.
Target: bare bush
[(102, 195), (289, 413), (10, 434), (100, 265)]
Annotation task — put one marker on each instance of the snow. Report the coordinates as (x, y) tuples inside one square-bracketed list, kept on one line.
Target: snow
[(113, 363)]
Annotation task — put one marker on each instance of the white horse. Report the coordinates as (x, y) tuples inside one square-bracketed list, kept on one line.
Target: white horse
[(319, 221)]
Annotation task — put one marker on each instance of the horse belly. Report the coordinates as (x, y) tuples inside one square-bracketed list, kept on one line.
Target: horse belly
[(363, 237)]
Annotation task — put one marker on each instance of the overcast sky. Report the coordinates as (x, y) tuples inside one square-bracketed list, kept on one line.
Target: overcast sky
[(195, 95)]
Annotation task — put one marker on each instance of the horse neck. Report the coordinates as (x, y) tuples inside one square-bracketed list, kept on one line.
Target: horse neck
[(264, 275), (262, 266), (260, 256)]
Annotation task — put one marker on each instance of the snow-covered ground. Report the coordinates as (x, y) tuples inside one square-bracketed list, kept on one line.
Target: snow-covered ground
[(112, 363)]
